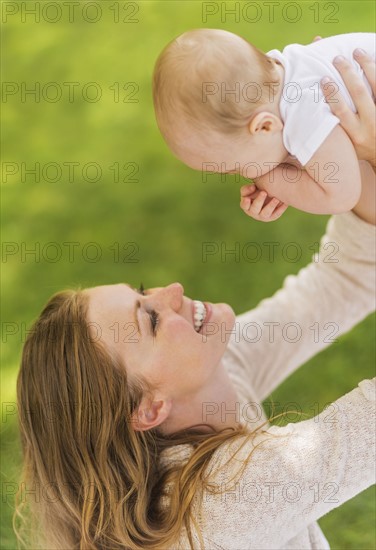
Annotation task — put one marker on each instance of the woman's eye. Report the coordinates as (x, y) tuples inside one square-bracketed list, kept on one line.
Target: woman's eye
[(154, 320), (154, 317)]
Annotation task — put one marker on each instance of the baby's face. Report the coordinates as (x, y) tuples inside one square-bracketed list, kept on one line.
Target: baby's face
[(243, 154)]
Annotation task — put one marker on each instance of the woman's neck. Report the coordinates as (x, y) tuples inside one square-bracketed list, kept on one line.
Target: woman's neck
[(216, 404)]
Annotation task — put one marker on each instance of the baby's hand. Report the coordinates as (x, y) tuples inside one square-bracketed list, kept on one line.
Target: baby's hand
[(258, 205)]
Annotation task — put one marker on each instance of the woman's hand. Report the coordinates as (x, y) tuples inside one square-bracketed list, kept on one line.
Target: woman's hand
[(360, 126), (258, 205)]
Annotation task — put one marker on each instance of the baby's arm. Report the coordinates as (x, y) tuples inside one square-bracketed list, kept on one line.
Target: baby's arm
[(258, 205), (329, 184)]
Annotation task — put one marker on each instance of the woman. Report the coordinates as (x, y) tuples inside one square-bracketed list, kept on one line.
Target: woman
[(140, 411)]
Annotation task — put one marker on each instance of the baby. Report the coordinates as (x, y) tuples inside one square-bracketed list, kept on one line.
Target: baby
[(222, 103)]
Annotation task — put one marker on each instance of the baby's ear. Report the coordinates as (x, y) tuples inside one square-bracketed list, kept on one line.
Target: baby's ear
[(265, 122)]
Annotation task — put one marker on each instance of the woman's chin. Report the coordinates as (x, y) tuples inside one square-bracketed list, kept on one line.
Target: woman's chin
[(224, 316), (228, 312)]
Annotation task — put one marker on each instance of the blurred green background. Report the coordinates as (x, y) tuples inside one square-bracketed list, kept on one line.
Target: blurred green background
[(148, 224)]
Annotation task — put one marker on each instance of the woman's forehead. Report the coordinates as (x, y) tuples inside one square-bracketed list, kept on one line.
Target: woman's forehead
[(109, 297)]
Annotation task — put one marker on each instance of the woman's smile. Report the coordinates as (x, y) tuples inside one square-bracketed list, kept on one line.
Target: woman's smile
[(175, 336), (202, 312)]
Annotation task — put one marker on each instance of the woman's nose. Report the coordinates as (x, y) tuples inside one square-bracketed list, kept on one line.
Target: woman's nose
[(175, 288), (171, 295)]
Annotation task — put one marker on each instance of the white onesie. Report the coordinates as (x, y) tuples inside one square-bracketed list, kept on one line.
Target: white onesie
[(307, 118)]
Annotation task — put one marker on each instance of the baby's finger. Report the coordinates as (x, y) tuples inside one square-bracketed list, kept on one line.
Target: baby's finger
[(268, 210), (247, 189), (245, 203), (279, 211), (317, 38), (368, 65), (257, 204)]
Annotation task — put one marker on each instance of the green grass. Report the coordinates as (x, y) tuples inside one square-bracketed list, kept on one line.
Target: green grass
[(168, 213)]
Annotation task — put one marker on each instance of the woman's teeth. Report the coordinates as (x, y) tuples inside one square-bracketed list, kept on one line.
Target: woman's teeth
[(199, 314)]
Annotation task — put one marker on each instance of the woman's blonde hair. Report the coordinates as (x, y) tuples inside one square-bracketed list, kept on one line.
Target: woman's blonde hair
[(210, 79), (96, 481)]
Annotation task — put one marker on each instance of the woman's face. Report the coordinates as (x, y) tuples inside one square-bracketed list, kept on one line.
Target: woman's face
[(158, 334)]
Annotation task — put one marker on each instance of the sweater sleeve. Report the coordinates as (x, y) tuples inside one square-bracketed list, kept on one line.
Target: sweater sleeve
[(296, 474), (324, 300)]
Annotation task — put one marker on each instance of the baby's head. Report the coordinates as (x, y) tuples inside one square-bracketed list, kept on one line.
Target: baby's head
[(208, 85)]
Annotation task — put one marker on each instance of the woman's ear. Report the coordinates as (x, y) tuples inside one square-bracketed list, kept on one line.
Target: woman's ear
[(264, 123), (151, 414)]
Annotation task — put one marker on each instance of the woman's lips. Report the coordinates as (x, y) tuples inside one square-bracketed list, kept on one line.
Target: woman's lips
[(209, 311)]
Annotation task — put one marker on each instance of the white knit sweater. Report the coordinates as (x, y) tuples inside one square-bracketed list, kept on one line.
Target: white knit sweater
[(313, 466)]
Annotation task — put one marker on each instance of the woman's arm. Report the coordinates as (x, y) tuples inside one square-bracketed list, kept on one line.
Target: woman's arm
[(365, 208), (337, 290), (311, 310), (294, 476)]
